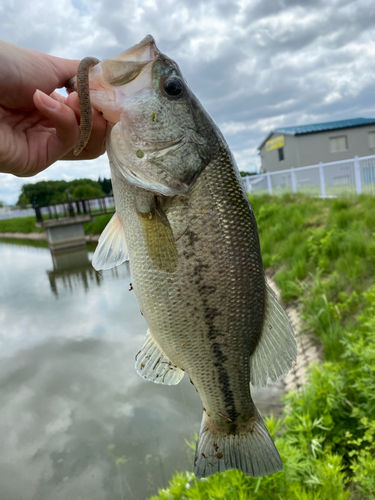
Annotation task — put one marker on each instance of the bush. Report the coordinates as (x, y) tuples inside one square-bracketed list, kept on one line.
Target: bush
[(324, 254)]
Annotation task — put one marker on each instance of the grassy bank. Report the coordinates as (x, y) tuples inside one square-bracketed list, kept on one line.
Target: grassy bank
[(323, 252), (97, 225), (27, 225), (19, 225)]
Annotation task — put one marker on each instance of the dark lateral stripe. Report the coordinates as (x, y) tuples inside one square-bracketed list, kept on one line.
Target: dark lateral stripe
[(224, 382), (210, 313)]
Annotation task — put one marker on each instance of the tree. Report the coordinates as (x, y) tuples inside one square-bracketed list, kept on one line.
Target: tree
[(106, 185), (85, 191), (49, 192)]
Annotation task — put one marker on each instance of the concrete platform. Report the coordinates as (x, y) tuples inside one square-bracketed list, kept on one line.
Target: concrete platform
[(66, 233)]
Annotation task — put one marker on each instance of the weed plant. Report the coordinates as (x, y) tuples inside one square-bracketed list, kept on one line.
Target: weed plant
[(323, 254)]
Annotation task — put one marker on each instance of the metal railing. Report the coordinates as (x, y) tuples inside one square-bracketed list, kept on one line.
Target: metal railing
[(93, 206), (353, 176)]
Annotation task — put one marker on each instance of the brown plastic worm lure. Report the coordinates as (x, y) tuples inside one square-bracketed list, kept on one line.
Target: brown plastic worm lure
[(84, 102)]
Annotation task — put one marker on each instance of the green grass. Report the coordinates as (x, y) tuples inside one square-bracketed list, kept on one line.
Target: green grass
[(97, 225), (20, 225), (323, 253), (315, 190), (27, 225)]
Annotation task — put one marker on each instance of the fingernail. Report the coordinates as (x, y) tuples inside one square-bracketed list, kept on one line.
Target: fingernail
[(47, 100)]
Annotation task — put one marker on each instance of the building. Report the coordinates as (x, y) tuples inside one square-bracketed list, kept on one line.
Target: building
[(292, 147)]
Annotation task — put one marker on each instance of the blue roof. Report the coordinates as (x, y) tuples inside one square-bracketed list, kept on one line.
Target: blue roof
[(321, 127)]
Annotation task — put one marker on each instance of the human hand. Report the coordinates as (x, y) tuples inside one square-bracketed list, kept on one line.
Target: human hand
[(39, 127)]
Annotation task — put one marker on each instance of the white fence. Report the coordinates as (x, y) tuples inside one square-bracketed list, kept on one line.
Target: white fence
[(92, 206), (354, 176)]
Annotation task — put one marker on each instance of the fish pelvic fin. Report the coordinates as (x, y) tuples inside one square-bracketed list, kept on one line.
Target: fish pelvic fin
[(112, 249), (159, 238), (153, 364), (277, 347), (253, 452)]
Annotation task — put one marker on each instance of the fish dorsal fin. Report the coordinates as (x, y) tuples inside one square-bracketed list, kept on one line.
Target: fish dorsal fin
[(159, 238), (112, 249), (152, 364), (277, 346)]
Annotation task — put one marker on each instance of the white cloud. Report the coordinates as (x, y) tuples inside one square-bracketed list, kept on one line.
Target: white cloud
[(254, 65)]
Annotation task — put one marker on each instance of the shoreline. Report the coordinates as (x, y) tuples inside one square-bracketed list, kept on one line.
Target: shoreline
[(41, 236)]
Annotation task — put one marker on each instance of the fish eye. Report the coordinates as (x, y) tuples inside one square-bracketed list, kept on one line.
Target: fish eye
[(173, 86)]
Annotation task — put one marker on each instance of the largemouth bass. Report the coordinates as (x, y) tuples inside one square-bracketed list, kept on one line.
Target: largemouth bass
[(185, 223)]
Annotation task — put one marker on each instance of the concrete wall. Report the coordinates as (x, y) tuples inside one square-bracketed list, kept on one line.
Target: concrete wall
[(66, 233), (310, 149)]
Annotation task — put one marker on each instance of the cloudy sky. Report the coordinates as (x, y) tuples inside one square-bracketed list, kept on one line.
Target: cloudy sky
[(254, 64)]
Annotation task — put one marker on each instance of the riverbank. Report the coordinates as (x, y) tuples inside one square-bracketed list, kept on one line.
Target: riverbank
[(40, 236), (24, 236), (25, 228)]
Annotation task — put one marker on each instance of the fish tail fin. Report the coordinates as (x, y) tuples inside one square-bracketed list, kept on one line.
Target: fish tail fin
[(251, 450)]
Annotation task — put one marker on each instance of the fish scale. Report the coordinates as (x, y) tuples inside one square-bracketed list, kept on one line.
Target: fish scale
[(186, 225), (222, 305)]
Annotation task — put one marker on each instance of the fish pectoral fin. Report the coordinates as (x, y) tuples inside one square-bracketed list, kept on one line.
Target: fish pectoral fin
[(160, 242), (152, 364), (112, 249), (277, 346)]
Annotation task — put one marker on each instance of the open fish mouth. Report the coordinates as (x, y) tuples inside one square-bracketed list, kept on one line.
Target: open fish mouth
[(124, 67), (110, 80), (145, 50)]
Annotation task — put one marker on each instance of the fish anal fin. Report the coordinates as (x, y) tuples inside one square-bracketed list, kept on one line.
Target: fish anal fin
[(277, 346), (153, 364), (159, 238), (112, 248)]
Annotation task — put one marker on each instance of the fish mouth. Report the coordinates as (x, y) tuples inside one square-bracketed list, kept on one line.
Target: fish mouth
[(121, 69), (110, 82), (144, 51)]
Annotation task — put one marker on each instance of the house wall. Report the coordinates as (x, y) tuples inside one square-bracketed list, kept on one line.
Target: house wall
[(270, 159), (310, 149)]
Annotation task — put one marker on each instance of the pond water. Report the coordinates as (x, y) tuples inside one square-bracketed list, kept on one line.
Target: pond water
[(76, 421)]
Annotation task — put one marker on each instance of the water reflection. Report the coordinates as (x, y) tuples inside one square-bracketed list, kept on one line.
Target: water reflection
[(85, 427), (76, 421), (72, 270)]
